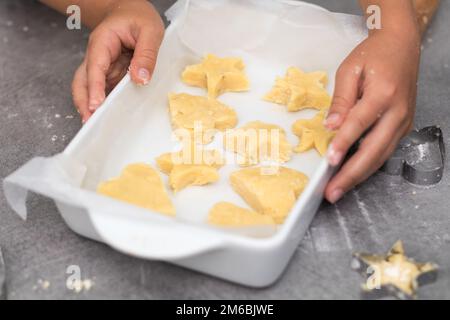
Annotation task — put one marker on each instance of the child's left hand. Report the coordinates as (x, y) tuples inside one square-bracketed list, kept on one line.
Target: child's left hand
[(376, 89)]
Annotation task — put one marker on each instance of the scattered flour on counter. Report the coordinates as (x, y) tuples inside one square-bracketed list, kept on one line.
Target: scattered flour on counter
[(42, 284), (57, 115), (343, 227), (69, 117), (9, 23), (25, 29), (366, 215), (12, 115), (54, 138)]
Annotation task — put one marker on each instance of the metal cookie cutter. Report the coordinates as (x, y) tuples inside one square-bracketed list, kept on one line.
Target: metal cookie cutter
[(2, 277), (419, 158)]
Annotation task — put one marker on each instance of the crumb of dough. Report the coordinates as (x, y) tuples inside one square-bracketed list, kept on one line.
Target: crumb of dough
[(313, 134), (190, 169), (258, 141), (269, 194), (229, 215), (199, 116), (217, 75), (300, 90), (141, 185)]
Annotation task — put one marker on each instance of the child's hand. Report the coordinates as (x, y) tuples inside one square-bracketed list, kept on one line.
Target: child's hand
[(131, 31), (375, 90)]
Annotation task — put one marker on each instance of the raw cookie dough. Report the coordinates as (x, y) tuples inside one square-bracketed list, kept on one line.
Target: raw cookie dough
[(313, 134), (272, 195), (190, 170), (229, 215), (394, 272), (299, 90), (217, 75), (200, 116), (141, 185), (258, 141)]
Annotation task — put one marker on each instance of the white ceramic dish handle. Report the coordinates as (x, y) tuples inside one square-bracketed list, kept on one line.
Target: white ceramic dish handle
[(159, 240)]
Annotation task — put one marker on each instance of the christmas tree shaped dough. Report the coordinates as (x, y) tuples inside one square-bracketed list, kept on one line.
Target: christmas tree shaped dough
[(141, 185), (200, 117), (190, 169), (258, 141), (229, 215), (313, 134), (217, 75), (299, 90), (269, 194)]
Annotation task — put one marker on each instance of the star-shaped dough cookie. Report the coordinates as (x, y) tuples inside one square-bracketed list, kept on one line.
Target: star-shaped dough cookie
[(141, 185), (258, 141), (299, 90), (393, 274), (200, 116), (217, 75), (313, 134), (196, 168), (226, 214), (270, 194)]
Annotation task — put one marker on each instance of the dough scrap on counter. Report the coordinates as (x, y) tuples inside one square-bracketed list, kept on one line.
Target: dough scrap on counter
[(217, 75), (313, 134), (229, 215), (190, 169), (141, 185), (200, 116), (269, 194), (300, 90), (258, 141)]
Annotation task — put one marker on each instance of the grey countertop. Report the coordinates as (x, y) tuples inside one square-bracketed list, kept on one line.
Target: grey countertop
[(37, 60)]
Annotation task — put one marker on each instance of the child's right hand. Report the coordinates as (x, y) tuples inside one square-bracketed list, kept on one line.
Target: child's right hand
[(129, 35)]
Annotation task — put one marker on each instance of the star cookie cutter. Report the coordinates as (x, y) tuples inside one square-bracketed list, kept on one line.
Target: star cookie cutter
[(419, 158), (393, 274)]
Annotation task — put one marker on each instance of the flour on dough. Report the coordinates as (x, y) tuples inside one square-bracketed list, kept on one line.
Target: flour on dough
[(141, 185), (313, 134), (300, 90), (217, 75), (269, 194), (258, 141), (200, 117), (226, 214)]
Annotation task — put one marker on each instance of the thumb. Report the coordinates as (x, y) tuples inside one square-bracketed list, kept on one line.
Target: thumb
[(345, 94), (145, 55)]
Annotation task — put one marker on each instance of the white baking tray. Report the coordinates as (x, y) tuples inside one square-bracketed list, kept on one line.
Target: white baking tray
[(133, 125)]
